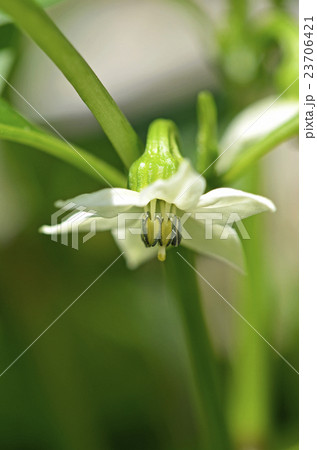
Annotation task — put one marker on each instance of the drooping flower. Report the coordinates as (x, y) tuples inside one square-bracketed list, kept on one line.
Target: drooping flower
[(166, 199)]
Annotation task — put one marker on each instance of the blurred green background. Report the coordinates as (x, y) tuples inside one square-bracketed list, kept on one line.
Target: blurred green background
[(114, 373)]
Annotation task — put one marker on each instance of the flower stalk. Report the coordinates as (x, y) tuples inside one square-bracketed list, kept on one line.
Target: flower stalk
[(183, 283)]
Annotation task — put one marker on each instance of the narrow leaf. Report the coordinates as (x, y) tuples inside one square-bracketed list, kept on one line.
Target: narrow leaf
[(31, 18), (15, 128)]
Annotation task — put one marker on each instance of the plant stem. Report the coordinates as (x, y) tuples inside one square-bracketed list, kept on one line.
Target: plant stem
[(250, 407), (183, 283), (36, 23), (79, 158), (260, 148), (207, 142)]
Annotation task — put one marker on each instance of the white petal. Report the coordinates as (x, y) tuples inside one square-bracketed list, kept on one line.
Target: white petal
[(227, 201), (80, 221), (106, 202), (228, 250), (256, 121), (183, 189), (135, 252)]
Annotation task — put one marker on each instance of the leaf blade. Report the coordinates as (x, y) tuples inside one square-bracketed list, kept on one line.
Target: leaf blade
[(15, 128), (33, 20)]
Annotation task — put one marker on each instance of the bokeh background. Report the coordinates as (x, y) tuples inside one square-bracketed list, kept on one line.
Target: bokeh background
[(114, 372)]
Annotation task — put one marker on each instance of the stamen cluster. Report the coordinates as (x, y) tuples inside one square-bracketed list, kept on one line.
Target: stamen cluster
[(162, 228)]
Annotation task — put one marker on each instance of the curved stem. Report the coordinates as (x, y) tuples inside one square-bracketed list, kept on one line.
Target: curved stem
[(261, 148), (183, 283), (36, 23)]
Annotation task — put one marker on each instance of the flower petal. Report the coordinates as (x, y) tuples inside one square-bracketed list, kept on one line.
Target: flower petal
[(135, 252), (256, 121), (183, 189), (106, 202), (80, 221), (228, 250), (227, 201)]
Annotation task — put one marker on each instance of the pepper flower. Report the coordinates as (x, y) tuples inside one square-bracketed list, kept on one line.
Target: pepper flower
[(166, 198)]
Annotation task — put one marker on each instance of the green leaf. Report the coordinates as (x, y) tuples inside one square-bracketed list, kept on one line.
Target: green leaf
[(36, 23), (15, 128), (4, 19)]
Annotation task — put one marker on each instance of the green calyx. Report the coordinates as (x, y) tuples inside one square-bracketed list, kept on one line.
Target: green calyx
[(161, 157)]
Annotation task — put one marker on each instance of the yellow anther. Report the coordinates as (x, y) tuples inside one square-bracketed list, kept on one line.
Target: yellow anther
[(166, 232), (151, 230), (164, 228)]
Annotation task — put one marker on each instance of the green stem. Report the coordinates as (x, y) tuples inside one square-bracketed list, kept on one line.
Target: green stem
[(207, 143), (36, 23), (79, 158), (183, 283), (261, 148), (250, 396)]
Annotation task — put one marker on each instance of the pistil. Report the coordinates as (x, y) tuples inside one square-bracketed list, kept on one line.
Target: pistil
[(161, 255)]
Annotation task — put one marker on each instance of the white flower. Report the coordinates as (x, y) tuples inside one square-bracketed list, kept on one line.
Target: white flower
[(162, 205)]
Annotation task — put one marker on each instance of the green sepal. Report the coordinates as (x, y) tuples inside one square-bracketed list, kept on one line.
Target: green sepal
[(161, 157), (207, 145)]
